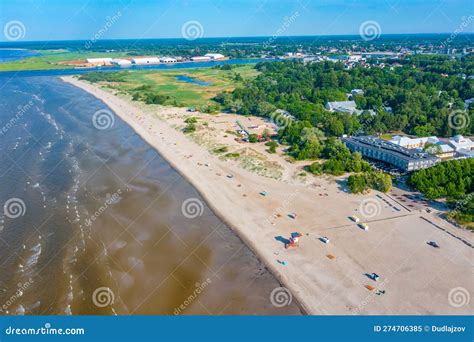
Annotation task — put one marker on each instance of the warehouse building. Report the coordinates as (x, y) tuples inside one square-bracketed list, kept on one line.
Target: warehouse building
[(145, 60)]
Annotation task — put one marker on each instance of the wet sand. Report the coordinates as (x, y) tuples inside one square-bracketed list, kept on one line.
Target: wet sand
[(102, 229), (324, 278)]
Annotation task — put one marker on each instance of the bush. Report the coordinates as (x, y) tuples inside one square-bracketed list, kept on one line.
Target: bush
[(190, 120), (359, 183), (190, 127), (152, 98), (272, 145), (315, 168), (253, 138), (334, 167), (222, 149)]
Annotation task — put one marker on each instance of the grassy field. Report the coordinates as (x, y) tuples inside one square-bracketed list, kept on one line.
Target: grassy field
[(181, 93), (50, 59)]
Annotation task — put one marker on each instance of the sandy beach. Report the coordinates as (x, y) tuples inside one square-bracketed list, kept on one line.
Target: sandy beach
[(324, 278)]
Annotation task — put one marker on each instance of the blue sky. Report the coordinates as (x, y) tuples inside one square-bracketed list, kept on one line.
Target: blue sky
[(82, 19)]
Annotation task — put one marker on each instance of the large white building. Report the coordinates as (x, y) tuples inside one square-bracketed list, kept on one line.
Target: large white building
[(441, 150), (214, 55), (122, 62), (145, 60), (342, 106), (459, 142), (168, 60), (99, 61), (464, 146), (200, 58), (409, 143)]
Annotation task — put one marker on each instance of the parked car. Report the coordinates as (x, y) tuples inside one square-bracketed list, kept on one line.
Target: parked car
[(433, 244)]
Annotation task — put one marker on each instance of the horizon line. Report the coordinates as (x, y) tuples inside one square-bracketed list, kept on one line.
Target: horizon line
[(236, 37)]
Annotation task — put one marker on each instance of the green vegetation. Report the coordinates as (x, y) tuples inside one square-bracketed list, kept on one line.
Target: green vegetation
[(272, 145), (163, 87), (102, 76), (191, 125), (222, 149), (421, 99), (315, 168), (54, 59), (359, 183), (253, 138), (451, 179), (463, 210)]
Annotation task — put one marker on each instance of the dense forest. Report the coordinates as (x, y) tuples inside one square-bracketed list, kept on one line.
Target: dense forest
[(420, 100), (452, 179)]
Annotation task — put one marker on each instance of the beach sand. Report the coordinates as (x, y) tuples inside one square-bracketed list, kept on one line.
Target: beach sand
[(323, 278)]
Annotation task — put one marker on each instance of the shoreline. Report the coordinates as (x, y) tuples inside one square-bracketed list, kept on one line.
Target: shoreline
[(144, 135), (319, 284)]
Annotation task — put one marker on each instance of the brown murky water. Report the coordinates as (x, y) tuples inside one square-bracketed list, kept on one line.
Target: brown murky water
[(101, 228)]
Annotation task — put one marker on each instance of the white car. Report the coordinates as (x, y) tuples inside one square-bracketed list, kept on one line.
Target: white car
[(324, 239), (355, 218)]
